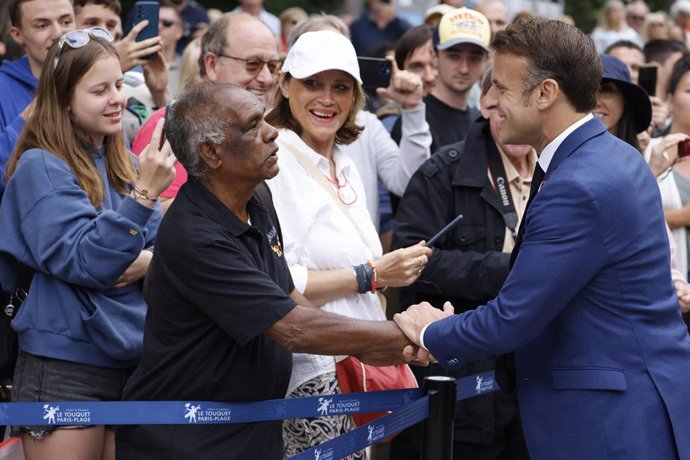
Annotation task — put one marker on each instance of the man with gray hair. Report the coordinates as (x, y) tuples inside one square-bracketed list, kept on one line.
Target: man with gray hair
[(241, 50), (224, 317)]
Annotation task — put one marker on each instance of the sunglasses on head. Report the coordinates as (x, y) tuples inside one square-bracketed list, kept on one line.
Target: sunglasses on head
[(80, 37), (256, 65)]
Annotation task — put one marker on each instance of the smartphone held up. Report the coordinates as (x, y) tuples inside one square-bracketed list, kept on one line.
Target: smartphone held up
[(147, 10)]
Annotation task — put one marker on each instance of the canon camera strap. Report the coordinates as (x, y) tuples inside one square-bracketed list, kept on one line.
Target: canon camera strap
[(502, 187)]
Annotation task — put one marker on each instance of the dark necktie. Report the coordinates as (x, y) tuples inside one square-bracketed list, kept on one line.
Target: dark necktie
[(537, 179), (505, 364)]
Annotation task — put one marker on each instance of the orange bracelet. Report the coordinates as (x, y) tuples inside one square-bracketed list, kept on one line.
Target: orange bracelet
[(374, 276)]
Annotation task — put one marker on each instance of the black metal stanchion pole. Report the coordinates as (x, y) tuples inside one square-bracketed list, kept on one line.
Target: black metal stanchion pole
[(437, 441)]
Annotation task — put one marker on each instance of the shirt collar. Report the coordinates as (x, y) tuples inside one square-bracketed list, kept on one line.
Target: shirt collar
[(511, 172), (319, 160), (550, 150)]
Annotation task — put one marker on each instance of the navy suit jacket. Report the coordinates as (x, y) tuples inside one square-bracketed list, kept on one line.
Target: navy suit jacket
[(602, 355)]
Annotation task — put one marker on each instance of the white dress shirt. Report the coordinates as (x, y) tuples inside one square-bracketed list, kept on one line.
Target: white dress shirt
[(318, 236)]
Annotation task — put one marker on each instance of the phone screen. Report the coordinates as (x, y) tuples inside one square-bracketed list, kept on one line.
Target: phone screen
[(147, 10), (647, 79), (684, 148), (375, 72)]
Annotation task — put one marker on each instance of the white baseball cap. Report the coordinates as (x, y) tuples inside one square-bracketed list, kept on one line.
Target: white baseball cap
[(315, 52)]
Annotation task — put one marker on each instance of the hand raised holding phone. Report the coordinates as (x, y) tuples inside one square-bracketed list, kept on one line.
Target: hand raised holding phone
[(405, 88)]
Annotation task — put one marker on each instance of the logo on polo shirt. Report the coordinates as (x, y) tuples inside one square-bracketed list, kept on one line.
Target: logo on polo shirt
[(274, 242)]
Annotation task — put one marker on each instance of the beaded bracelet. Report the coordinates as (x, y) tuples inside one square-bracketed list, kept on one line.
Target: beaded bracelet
[(142, 194)]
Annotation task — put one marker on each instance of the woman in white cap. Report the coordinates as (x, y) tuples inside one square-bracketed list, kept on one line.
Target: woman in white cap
[(331, 245)]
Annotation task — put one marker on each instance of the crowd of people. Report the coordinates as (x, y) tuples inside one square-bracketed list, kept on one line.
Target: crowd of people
[(214, 214)]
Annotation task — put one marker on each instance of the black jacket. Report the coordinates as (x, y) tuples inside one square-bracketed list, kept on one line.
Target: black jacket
[(467, 267)]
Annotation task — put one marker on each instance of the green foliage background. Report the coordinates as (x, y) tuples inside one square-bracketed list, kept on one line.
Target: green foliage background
[(585, 12)]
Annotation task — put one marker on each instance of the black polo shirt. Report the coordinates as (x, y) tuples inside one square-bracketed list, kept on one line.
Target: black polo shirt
[(214, 286)]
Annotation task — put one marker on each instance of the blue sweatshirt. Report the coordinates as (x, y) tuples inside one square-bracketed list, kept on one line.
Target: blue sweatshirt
[(17, 89), (72, 311)]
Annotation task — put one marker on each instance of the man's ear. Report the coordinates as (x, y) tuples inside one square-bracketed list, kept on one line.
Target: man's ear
[(209, 154), (16, 35), (547, 93), (211, 61)]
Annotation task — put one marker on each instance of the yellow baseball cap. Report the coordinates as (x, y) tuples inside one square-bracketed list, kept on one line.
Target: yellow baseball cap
[(462, 25)]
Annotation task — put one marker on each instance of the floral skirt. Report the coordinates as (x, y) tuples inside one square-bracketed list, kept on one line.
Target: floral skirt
[(300, 434)]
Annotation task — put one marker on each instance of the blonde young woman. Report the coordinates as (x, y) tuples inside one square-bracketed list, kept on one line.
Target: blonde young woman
[(331, 245)]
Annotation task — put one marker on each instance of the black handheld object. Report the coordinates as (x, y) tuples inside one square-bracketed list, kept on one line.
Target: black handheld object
[(434, 239), (165, 117), (684, 148), (375, 72), (147, 10), (647, 79)]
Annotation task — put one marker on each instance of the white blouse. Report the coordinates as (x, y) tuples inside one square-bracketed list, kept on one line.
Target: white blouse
[(318, 236)]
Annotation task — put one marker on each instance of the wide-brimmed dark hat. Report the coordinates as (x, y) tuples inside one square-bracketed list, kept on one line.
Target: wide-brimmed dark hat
[(637, 100)]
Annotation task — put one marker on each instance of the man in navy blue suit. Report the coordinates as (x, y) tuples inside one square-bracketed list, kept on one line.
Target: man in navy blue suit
[(602, 357)]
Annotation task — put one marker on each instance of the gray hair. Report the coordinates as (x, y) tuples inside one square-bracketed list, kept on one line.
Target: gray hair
[(193, 120), (218, 35), (315, 23)]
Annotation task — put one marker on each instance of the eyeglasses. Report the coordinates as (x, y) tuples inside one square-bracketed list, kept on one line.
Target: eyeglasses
[(167, 23), (79, 38), (256, 65)]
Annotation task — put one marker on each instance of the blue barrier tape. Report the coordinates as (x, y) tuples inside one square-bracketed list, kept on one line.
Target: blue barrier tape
[(205, 412), (200, 412), (475, 385), (368, 434)]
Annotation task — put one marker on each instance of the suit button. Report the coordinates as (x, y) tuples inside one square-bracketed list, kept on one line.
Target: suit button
[(453, 362), (452, 153), (497, 240)]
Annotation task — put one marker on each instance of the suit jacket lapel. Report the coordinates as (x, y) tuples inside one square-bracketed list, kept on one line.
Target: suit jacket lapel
[(589, 130)]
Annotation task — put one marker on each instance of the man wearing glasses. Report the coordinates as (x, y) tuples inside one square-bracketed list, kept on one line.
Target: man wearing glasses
[(240, 49), (237, 49)]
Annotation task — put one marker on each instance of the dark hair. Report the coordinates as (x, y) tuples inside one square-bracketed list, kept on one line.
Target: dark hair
[(660, 50), (558, 51), (15, 9), (680, 68), (626, 128), (281, 115), (410, 41), (112, 5), (623, 44), (486, 81)]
